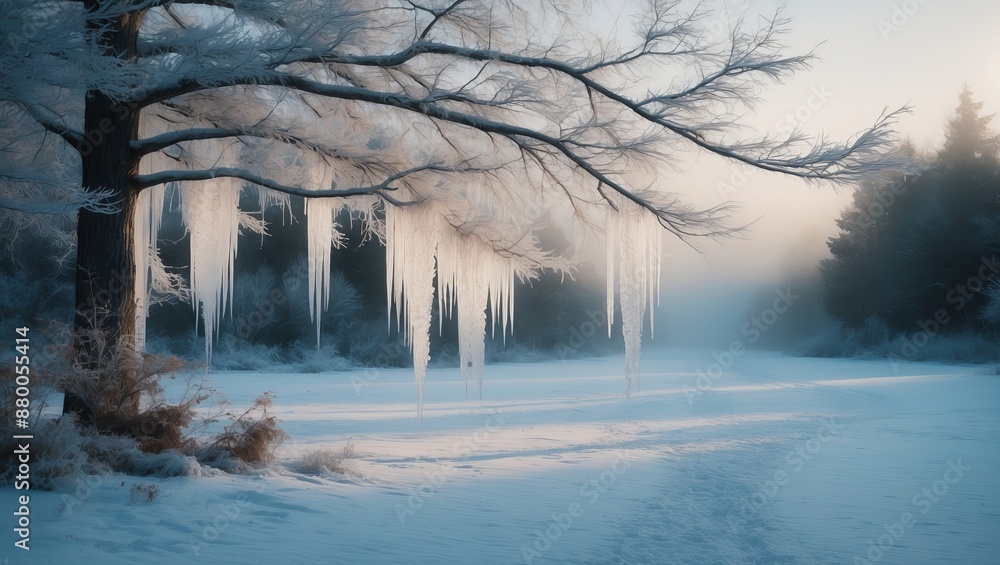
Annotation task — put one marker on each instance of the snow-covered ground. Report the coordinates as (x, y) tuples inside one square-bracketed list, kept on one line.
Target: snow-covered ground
[(775, 460)]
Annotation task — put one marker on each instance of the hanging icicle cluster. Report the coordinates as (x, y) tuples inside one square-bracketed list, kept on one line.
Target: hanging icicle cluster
[(411, 235), (634, 238), (323, 235), (451, 231), (319, 173), (149, 270), (210, 211), (149, 214), (470, 276), (212, 216)]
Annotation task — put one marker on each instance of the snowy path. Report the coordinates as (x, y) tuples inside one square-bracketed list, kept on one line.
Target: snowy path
[(779, 460)]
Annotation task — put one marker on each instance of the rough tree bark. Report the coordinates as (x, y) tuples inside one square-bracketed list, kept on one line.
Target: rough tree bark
[(105, 294)]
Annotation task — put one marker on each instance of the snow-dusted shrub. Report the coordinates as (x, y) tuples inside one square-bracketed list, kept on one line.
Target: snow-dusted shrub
[(326, 461), (831, 339), (249, 439), (33, 296), (63, 452), (957, 347), (232, 354), (346, 306), (186, 345), (342, 313), (991, 312), (370, 345), (121, 394), (308, 359), (258, 308), (874, 340), (119, 391)]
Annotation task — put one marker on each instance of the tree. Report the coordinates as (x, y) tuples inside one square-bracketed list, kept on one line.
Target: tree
[(968, 141), (442, 121), (913, 245)]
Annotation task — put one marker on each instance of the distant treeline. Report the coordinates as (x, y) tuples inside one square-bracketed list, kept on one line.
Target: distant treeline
[(918, 255)]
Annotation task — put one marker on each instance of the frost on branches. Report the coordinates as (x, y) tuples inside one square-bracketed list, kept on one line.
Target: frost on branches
[(450, 118)]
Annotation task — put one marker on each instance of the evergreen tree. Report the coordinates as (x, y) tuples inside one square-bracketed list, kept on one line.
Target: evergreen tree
[(968, 141), (911, 246)]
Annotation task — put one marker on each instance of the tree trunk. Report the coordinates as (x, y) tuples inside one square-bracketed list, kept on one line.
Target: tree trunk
[(105, 267)]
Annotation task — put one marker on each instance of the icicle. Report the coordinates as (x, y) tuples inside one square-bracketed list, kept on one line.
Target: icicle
[(390, 268), (448, 265), (411, 242), (470, 276), (473, 296), (638, 237), (500, 282), (322, 238), (211, 214), (146, 227), (268, 198), (653, 239), (612, 252)]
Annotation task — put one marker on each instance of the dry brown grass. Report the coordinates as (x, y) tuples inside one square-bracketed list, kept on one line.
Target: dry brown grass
[(251, 436), (122, 393)]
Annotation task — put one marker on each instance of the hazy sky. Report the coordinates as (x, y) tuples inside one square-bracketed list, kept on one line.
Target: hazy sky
[(874, 54)]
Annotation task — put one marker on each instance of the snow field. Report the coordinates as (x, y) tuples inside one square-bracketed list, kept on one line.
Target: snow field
[(783, 460)]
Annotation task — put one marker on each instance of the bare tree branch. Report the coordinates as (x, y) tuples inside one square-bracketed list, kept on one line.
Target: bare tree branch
[(73, 137), (389, 184), (450, 73)]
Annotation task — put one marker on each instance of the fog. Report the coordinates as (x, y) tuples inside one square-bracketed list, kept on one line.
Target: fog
[(872, 56)]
